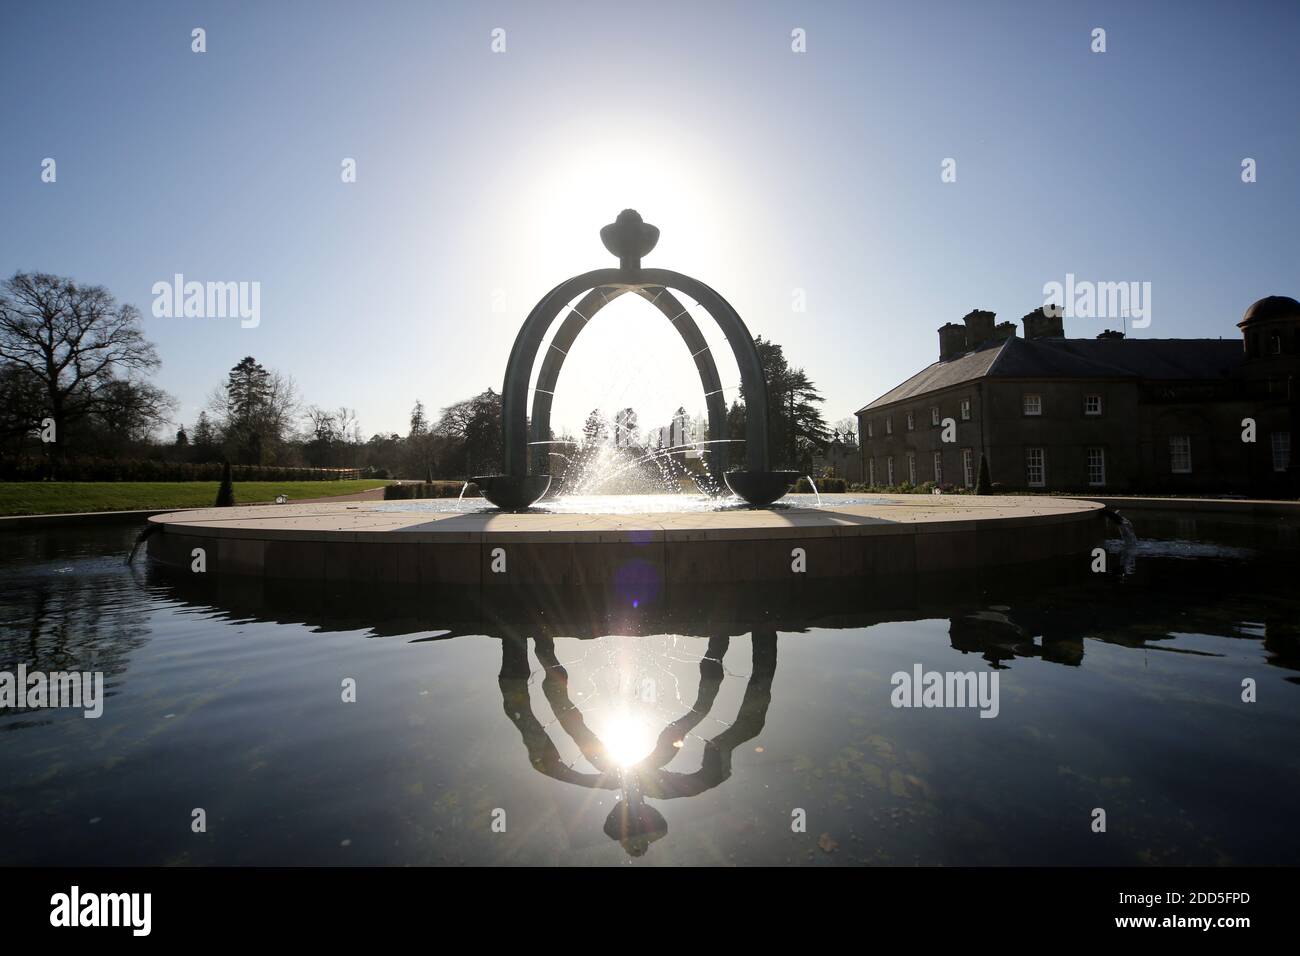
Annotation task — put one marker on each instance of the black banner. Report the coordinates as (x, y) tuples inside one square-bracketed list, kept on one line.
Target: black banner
[(332, 905)]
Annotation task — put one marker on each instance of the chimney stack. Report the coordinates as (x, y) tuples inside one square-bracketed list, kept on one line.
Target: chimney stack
[(1041, 325), (979, 327), (952, 341), (1003, 331), (1110, 334)]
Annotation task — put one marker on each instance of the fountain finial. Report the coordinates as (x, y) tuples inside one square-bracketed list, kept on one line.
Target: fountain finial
[(629, 237)]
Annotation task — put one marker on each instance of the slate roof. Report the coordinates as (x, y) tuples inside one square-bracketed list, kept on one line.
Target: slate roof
[(1147, 359), (941, 375)]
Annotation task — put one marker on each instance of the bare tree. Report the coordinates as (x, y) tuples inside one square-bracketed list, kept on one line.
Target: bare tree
[(349, 425), (333, 436), (471, 433), (77, 342), (132, 411), (321, 425), (322, 435)]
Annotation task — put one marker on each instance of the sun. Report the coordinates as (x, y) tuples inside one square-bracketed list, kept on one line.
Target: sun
[(628, 738), (578, 182)]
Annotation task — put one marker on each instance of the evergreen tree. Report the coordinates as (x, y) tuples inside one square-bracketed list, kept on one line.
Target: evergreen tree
[(247, 390), (419, 424), (204, 446), (594, 431), (795, 426), (419, 444), (258, 407)]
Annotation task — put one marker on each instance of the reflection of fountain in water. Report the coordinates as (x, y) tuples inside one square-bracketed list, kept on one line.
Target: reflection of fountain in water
[(1128, 551), (1126, 531), (634, 689)]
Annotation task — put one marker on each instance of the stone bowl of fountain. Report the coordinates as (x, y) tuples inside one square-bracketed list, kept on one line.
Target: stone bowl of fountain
[(513, 492), (760, 488)]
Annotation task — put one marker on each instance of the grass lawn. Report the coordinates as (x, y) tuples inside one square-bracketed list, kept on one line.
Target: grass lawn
[(53, 497)]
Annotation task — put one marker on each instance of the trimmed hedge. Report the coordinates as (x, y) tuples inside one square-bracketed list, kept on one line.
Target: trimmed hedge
[(907, 488), (104, 469), (429, 489), (830, 486)]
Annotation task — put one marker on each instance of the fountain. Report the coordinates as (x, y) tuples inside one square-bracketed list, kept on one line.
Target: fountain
[(630, 239), (633, 551)]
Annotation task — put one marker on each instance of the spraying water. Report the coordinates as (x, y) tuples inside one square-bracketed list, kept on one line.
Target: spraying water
[(605, 468), (814, 488), (1128, 551), (1126, 532)]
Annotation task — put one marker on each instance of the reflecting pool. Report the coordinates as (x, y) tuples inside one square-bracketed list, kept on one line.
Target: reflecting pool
[(327, 727)]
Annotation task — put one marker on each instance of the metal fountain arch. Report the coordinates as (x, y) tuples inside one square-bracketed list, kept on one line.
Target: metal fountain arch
[(679, 317), (629, 238)]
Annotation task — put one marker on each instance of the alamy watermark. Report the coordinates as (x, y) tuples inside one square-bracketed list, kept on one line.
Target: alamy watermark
[(35, 689), (922, 688), (75, 908), (1083, 299), (208, 300)]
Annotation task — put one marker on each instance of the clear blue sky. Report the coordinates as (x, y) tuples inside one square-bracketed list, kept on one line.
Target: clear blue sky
[(484, 177)]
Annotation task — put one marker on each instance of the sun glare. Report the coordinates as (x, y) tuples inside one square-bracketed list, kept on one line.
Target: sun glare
[(545, 221), (585, 181), (628, 738)]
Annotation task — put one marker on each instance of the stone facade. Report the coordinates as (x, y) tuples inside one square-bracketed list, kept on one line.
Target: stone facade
[(1106, 415), (839, 460)]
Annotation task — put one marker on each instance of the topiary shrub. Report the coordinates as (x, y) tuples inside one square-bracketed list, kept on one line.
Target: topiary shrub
[(225, 493), (982, 484)]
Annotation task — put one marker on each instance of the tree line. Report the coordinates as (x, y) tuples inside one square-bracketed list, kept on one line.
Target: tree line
[(74, 383)]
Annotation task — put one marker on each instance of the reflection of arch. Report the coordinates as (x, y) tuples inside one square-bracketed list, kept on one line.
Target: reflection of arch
[(648, 777), (523, 356), (577, 319)]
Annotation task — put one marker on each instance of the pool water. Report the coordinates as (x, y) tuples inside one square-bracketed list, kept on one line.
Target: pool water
[(694, 738)]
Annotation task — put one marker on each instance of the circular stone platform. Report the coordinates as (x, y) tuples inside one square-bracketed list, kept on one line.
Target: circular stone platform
[(362, 541)]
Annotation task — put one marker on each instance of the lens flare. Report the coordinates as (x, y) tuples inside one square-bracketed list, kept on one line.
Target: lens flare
[(628, 738)]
